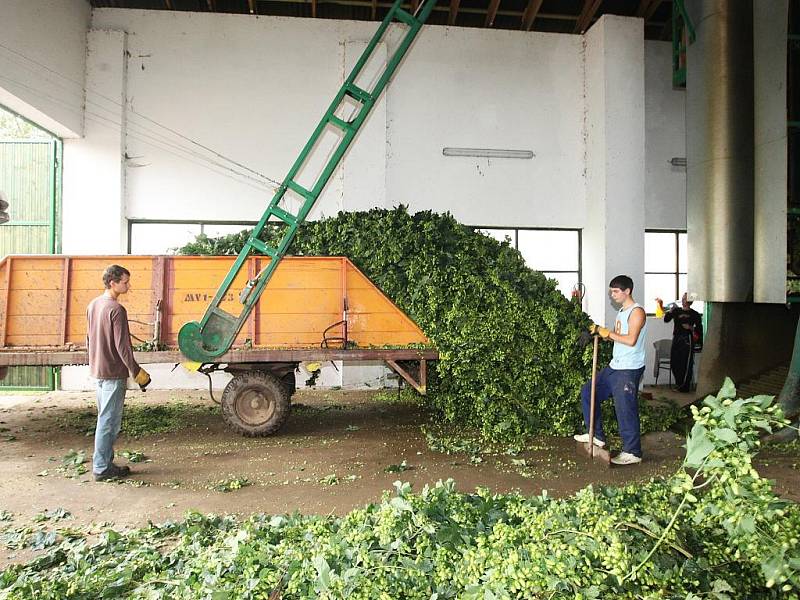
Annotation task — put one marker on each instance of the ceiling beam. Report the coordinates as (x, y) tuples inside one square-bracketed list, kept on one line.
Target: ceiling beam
[(666, 31), (643, 6), (451, 18), (491, 13), (529, 16), (463, 10), (587, 14), (647, 8)]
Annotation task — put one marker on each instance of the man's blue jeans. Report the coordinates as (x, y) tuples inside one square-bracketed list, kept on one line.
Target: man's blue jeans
[(623, 384), (110, 398)]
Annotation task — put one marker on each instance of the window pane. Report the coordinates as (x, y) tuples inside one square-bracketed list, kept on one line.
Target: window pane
[(161, 238), (657, 286), (500, 235), (566, 281), (683, 257), (659, 252), (546, 250), (214, 231)]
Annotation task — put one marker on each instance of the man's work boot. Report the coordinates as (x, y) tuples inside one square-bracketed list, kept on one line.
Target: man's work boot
[(113, 472)]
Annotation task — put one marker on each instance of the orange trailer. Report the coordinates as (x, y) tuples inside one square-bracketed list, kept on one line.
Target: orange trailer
[(314, 309)]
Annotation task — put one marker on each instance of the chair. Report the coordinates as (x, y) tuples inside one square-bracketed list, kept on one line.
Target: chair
[(663, 350)]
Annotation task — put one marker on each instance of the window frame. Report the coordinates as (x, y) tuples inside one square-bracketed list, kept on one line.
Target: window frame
[(677, 272), (201, 222), (515, 241)]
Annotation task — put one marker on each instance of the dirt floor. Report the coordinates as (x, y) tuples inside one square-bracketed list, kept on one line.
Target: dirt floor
[(339, 450)]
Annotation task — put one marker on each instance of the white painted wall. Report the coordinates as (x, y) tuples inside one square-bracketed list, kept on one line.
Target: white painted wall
[(42, 57), (164, 377), (594, 123), (490, 89), (252, 89), (364, 167), (665, 185), (94, 167), (457, 87), (665, 135)]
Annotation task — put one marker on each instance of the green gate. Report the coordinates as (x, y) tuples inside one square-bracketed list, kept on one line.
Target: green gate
[(30, 179)]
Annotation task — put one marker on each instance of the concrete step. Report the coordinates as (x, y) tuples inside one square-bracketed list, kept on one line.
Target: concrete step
[(770, 383)]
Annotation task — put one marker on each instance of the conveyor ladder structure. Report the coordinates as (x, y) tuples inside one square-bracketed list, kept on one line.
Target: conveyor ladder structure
[(214, 334)]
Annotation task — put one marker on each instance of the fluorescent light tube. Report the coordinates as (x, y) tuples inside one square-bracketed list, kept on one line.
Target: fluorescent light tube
[(488, 153)]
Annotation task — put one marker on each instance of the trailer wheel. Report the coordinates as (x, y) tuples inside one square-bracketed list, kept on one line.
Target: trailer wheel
[(289, 381), (255, 403)]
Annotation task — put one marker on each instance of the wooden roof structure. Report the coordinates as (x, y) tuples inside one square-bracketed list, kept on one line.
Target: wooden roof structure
[(558, 16)]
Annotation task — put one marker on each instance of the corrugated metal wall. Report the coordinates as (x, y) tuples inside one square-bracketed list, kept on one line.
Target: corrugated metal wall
[(29, 179)]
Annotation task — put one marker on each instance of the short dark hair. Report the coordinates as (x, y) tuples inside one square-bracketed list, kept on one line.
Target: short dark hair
[(114, 273), (622, 282)]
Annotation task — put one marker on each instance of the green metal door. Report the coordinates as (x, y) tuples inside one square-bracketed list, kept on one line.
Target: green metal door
[(30, 180)]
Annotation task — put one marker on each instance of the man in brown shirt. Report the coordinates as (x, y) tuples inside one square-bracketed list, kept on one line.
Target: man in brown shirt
[(110, 361)]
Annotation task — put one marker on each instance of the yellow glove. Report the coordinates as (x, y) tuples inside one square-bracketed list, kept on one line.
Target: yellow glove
[(143, 379), (659, 308), (595, 329)]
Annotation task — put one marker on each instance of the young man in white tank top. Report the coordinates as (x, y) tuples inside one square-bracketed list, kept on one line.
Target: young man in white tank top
[(621, 378)]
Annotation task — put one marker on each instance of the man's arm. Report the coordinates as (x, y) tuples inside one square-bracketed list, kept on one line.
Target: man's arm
[(122, 340), (635, 323)]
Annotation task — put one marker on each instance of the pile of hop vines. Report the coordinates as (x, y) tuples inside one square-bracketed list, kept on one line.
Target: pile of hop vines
[(713, 530), (509, 364)]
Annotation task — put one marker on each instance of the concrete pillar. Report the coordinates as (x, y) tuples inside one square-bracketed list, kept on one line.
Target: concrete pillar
[(94, 166), (770, 30), (613, 242), (719, 151)]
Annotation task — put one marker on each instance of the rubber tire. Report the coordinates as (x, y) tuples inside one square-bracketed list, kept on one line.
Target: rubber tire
[(290, 383), (260, 387)]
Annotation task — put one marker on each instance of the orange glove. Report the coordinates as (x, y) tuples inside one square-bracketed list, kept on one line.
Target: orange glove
[(595, 329), (143, 379)]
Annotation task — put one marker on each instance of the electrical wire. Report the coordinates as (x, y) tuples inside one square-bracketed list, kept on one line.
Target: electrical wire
[(177, 150), (155, 140), (87, 95), (134, 130), (86, 91)]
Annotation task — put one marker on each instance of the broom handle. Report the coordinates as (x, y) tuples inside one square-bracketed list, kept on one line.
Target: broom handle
[(591, 398)]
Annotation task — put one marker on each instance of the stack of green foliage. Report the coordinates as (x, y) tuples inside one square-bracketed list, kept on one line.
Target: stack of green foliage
[(713, 530), (509, 363)]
